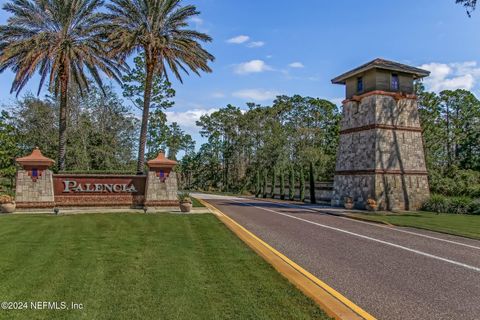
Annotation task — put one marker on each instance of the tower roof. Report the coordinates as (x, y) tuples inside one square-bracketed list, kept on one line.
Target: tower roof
[(36, 158), (382, 64), (161, 162)]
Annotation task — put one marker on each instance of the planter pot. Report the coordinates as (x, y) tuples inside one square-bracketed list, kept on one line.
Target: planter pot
[(348, 205), (8, 207), (185, 206), (371, 208)]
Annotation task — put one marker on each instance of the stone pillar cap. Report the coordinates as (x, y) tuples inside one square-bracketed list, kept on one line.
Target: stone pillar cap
[(36, 158), (161, 162)]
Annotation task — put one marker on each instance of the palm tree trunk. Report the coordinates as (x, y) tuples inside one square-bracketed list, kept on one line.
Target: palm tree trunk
[(146, 112), (62, 132)]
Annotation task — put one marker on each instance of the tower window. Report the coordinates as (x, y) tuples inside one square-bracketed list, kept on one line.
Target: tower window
[(359, 84), (395, 84)]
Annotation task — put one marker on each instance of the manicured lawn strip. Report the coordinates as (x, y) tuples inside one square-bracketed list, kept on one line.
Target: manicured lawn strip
[(196, 203), (462, 225), (131, 266)]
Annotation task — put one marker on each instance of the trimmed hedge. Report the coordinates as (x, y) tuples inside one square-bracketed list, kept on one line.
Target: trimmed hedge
[(457, 205)]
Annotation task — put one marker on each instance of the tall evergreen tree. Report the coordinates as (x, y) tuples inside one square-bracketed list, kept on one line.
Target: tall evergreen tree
[(291, 184), (301, 178), (282, 184), (274, 182), (311, 180), (265, 183)]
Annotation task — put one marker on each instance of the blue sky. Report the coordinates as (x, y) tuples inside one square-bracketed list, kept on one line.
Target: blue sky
[(269, 47)]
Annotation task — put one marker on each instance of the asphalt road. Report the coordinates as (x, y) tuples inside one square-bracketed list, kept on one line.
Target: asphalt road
[(391, 272)]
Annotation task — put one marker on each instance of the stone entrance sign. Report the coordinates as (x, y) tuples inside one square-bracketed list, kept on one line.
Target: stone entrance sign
[(37, 187), (76, 190), (380, 153)]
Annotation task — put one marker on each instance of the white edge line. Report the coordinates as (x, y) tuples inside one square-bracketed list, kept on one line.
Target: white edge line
[(368, 238), (378, 225)]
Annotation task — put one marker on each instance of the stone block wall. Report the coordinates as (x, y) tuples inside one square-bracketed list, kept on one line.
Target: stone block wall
[(381, 154), (323, 191), (359, 187), (395, 192), (28, 191), (161, 192), (356, 151), (399, 150)]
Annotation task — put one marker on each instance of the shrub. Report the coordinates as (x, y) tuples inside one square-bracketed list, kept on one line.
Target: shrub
[(476, 206), (457, 205), (460, 205), (458, 183), (184, 197)]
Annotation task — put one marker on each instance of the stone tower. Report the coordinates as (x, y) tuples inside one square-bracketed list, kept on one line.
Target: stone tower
[(380, 153)]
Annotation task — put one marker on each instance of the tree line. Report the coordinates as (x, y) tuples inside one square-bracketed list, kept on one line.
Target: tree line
[(102, 131), (291, 142), (246, 150), (294, 142)]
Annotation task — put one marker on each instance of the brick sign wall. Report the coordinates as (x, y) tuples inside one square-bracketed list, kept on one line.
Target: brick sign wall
[(98, 190), (38, 188)]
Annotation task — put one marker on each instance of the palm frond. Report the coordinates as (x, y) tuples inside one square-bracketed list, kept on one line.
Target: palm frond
[(160, 29), (55, 36)]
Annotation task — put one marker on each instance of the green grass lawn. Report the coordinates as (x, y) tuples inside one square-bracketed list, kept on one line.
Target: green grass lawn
[(196, 203), (132, 266), (462, 225)]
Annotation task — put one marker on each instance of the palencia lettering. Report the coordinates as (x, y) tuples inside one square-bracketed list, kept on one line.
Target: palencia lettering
[(74, 186)]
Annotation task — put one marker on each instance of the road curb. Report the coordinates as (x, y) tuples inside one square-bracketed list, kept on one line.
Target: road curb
[(331, 301)]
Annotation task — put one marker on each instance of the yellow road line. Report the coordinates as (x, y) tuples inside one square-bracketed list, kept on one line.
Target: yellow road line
[(334, 303)]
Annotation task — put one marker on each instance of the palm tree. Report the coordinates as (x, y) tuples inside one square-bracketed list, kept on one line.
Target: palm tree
[(62, 39), (158, 28)]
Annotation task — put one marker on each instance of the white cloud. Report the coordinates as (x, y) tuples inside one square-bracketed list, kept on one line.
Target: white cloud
[(218, 95), (256, 44), (255, 94), (198, 24), (336, 101), (198, 21), (239, 39), (296, 65), (253, 66), (458, 75), (187, 119)]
